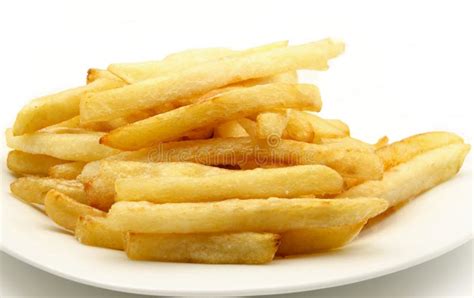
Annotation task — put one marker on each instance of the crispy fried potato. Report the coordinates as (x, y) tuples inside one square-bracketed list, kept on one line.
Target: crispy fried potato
[(414, 176), (406, 149), (205, 77), (314, 240), (52, 109), (94, 74), (249, 126), (230, 129), (382, 142), (257, 183), (299, 128), (69, 123), (234, 248), (95, 231), (65, 211), (31, 164), (69, 170), (134, 72), (349, 157), (228, 106), (340, 125), (67, 146), (271, 125), (260, 215), (33, 189), (302, 126), (99, 177)]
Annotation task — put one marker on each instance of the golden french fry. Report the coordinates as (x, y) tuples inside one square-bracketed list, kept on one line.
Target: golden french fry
[(52, 109), (260, 215), (340, 125), (95, 231), (94, 74), (234, 248), (313, 240), (351, 158), (69, 123), (99, 177), (199, 134), (230, 129), (299, 128), (134, 72), (249, 126), (257, 183), (69, 170), (67, 146), (31, 164), (300, 125), (206, 77), (33, 189), (65, 211), (382, 142), (228, 106), (287, 77), (271, 125), (414, 176), (406, 149), (253, 164)]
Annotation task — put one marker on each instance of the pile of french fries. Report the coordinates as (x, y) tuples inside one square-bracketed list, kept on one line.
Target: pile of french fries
[(214, 156)]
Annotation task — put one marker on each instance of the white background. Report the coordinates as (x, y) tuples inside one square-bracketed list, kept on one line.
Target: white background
[(405, 61)]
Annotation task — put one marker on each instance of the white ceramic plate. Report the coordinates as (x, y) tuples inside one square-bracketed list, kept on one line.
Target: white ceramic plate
[(435, 223)]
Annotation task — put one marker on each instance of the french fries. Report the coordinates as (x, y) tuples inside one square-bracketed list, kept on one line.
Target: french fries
[(52, 109), (235, 248), (271, 125), (134, 72), (278, 182), (408, 148), (258, 215), (94, 74), (69, 170), (31, 164), (349, 157), (95, 231), (99, 177), (67, 146), (150, 93), (230, 129), (417, 175), (215, 156), (304, 241), (33, 189), (65, 211), (228, 106)]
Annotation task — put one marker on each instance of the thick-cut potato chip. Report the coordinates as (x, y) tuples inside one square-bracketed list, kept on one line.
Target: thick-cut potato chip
[(94, 74), (230, 129), (67, 146), (52, 109), (33, 189), (95, 231), (414, 176), (134, 72), (31, 164), (314, 240), (259, 215), (69, 170), (99, 177), (406, 149), (271, 126), (228, 106), (205, 77), (65, 211), (258, 183), (233, 248), (349, 157)]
